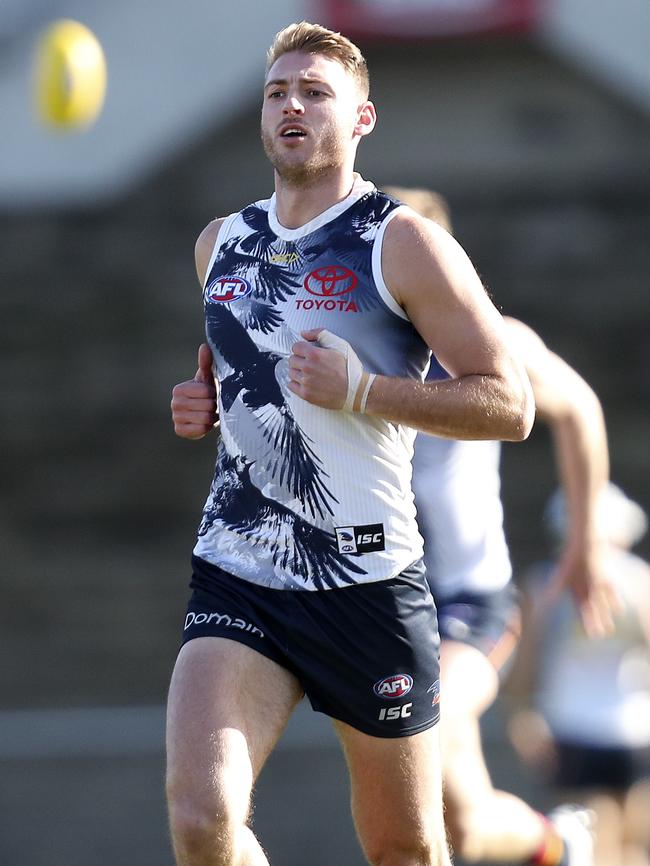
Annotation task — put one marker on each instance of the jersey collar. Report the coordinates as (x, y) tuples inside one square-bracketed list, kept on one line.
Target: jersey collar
[(360, 187)]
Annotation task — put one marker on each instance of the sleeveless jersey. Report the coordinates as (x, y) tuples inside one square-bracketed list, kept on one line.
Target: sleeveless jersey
[(597, 692), (459, 512), (303, 497)]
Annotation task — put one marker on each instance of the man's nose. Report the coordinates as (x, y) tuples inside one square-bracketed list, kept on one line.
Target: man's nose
[(293, 105)]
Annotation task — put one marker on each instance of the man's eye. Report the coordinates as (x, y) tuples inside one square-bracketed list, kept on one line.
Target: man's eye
[(275, 93)]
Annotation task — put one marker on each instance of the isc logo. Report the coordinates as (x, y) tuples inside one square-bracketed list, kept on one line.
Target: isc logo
[(389, 714), (360, 539), (226, 289), (369, 538), (393, 687)]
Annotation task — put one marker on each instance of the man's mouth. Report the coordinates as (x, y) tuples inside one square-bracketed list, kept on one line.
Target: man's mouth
[(293, 132)]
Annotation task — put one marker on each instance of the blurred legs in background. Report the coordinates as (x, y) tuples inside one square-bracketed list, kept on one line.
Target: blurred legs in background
[(484, 823)]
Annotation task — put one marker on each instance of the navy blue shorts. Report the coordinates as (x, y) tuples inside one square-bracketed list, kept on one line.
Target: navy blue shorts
[(367, 655), (488, 621), (581, 766)]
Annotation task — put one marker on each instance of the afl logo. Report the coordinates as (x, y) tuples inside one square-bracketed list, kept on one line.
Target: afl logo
[(393, 687), (226, 289), (330, 281)]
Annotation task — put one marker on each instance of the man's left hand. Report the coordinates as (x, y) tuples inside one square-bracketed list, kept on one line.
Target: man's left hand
[(582, 572), (325, 370)]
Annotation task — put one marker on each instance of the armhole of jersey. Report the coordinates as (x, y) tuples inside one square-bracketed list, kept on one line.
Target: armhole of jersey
[(222, 235), (382, 288)]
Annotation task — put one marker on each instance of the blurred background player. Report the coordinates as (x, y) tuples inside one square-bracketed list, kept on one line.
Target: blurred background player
[(460, 515), (588, 726)]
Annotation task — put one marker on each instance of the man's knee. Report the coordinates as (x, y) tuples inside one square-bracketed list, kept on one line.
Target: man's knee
[(468, 831), (465, 842), (204, 830), (195, 832), (384, 851)]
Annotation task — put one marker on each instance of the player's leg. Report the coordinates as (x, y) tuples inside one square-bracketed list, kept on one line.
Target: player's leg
[(607, 810), (621, 804), (228, 705), (636, 808), (396, 793), (484, 823)]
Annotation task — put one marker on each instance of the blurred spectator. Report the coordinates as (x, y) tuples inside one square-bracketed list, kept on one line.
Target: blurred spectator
[(587, 725)]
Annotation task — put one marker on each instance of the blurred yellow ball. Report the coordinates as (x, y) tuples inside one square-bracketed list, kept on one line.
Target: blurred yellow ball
[(70, 75)]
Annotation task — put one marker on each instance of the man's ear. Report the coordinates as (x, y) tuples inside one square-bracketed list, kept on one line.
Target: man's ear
[(366, 120)]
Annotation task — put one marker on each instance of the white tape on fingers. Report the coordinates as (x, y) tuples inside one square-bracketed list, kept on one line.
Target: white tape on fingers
[(354, 366)]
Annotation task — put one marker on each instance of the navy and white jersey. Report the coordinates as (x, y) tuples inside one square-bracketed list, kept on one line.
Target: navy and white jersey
[(307, 498), (457, 494)]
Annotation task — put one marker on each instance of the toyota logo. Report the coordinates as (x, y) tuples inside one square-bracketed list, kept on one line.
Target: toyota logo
[(331, 280)]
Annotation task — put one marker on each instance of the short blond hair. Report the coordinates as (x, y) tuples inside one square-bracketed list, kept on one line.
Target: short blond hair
[(426, 202), (314, 39)]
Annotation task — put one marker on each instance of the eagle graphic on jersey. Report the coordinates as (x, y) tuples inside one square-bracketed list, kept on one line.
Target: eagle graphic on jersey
[(274, 283), (298, 546), (270, 487), (275, 439)]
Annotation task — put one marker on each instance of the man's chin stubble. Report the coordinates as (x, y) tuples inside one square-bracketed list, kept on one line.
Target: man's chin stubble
[(296, 175)]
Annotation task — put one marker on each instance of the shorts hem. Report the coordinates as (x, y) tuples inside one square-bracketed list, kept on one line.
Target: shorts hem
[(379, 733), (242, 638)]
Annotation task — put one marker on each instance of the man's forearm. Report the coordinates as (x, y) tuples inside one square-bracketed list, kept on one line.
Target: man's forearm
[(583, 464), (470, 407)]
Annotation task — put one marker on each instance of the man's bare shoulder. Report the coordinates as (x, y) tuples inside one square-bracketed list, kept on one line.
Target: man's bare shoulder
[(205, 245), (417, 252), (411, 229)]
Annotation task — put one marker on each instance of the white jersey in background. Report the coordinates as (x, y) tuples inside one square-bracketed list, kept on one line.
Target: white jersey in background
[(457, 494), (597, 692)]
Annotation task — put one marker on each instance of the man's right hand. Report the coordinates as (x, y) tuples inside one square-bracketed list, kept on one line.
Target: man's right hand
[(194, 403)]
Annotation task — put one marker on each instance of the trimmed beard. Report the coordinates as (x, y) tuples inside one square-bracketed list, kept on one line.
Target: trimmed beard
[(330, 155)]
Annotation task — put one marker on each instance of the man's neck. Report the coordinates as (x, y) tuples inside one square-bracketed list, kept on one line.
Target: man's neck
[(297, 205)]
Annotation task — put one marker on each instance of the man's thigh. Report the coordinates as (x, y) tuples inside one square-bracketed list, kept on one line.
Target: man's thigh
[(469, 683), (396, 791), (227, 708)]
